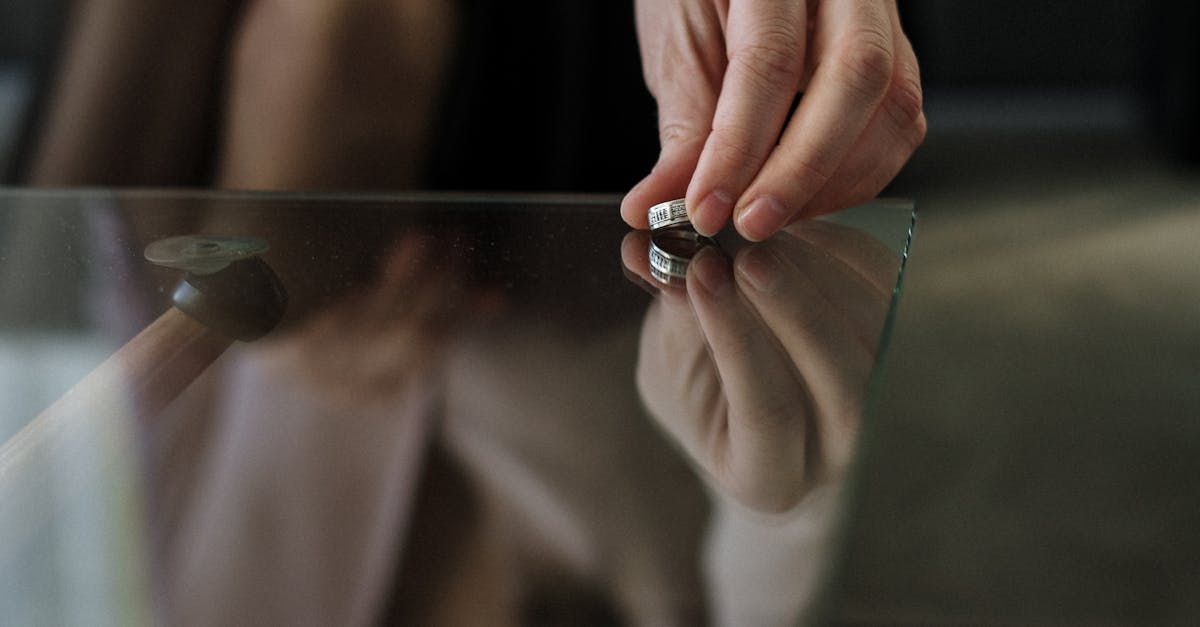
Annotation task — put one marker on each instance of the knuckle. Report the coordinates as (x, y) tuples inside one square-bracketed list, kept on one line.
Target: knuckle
[(905, 110), (776, 56), (672, 133), (733, 150), (734, 144), (905, 101), (920, 128), (813, 171), (868, 62)]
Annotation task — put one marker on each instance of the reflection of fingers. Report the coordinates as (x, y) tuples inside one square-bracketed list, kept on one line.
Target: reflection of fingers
[(858, 302), (634, 254), (861, 251), (843, 95), (635, 263), (766, 426), (675, 377), (817, 340)]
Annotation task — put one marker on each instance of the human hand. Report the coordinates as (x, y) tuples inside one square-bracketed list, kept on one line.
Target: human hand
[(759, 367), (725, 74)]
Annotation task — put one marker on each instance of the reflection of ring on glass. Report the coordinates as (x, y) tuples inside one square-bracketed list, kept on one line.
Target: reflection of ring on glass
[(668, 214), (666, 267), (671, 251)]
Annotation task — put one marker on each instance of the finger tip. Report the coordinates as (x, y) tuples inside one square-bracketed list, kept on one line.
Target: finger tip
[(750, 235), (629, 213), (753, 238), (762, 218), (641, 280), (711, 271), (706, 230), (709, 208), (704, 222)]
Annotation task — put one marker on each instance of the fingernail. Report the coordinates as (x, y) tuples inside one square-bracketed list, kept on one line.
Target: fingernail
[(761, 267), (762, 218), (712, 212), (712, 270)]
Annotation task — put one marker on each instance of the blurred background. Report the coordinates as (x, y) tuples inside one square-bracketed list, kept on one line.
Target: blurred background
[(1090, 69)]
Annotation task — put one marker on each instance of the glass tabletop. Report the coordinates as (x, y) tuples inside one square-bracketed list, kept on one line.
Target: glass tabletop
[(427, 409)]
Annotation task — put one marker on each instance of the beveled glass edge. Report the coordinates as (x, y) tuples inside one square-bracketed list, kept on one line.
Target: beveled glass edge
[(826, 602)]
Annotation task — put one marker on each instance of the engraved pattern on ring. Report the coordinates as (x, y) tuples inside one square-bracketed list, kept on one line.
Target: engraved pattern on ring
[(668, 214), (666, 263)]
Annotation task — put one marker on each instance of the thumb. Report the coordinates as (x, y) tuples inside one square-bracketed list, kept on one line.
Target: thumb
[(683, 59), (668, 179)]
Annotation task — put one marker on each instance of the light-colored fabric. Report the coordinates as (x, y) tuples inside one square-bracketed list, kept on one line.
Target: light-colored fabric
[(303, 495), (768, 570), (302, 501)]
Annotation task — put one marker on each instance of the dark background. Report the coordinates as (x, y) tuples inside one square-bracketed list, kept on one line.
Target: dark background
[(1073, 66)]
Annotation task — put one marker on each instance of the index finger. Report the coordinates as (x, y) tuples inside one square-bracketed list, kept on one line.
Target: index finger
[(765, 43), (847, 87)]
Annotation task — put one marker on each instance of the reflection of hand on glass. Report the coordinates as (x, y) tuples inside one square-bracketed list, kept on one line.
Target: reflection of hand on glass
[(759, 367)]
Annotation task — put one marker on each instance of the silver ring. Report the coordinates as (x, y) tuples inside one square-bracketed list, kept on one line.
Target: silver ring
[(668, 214), (667, 265), (666, 279)]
